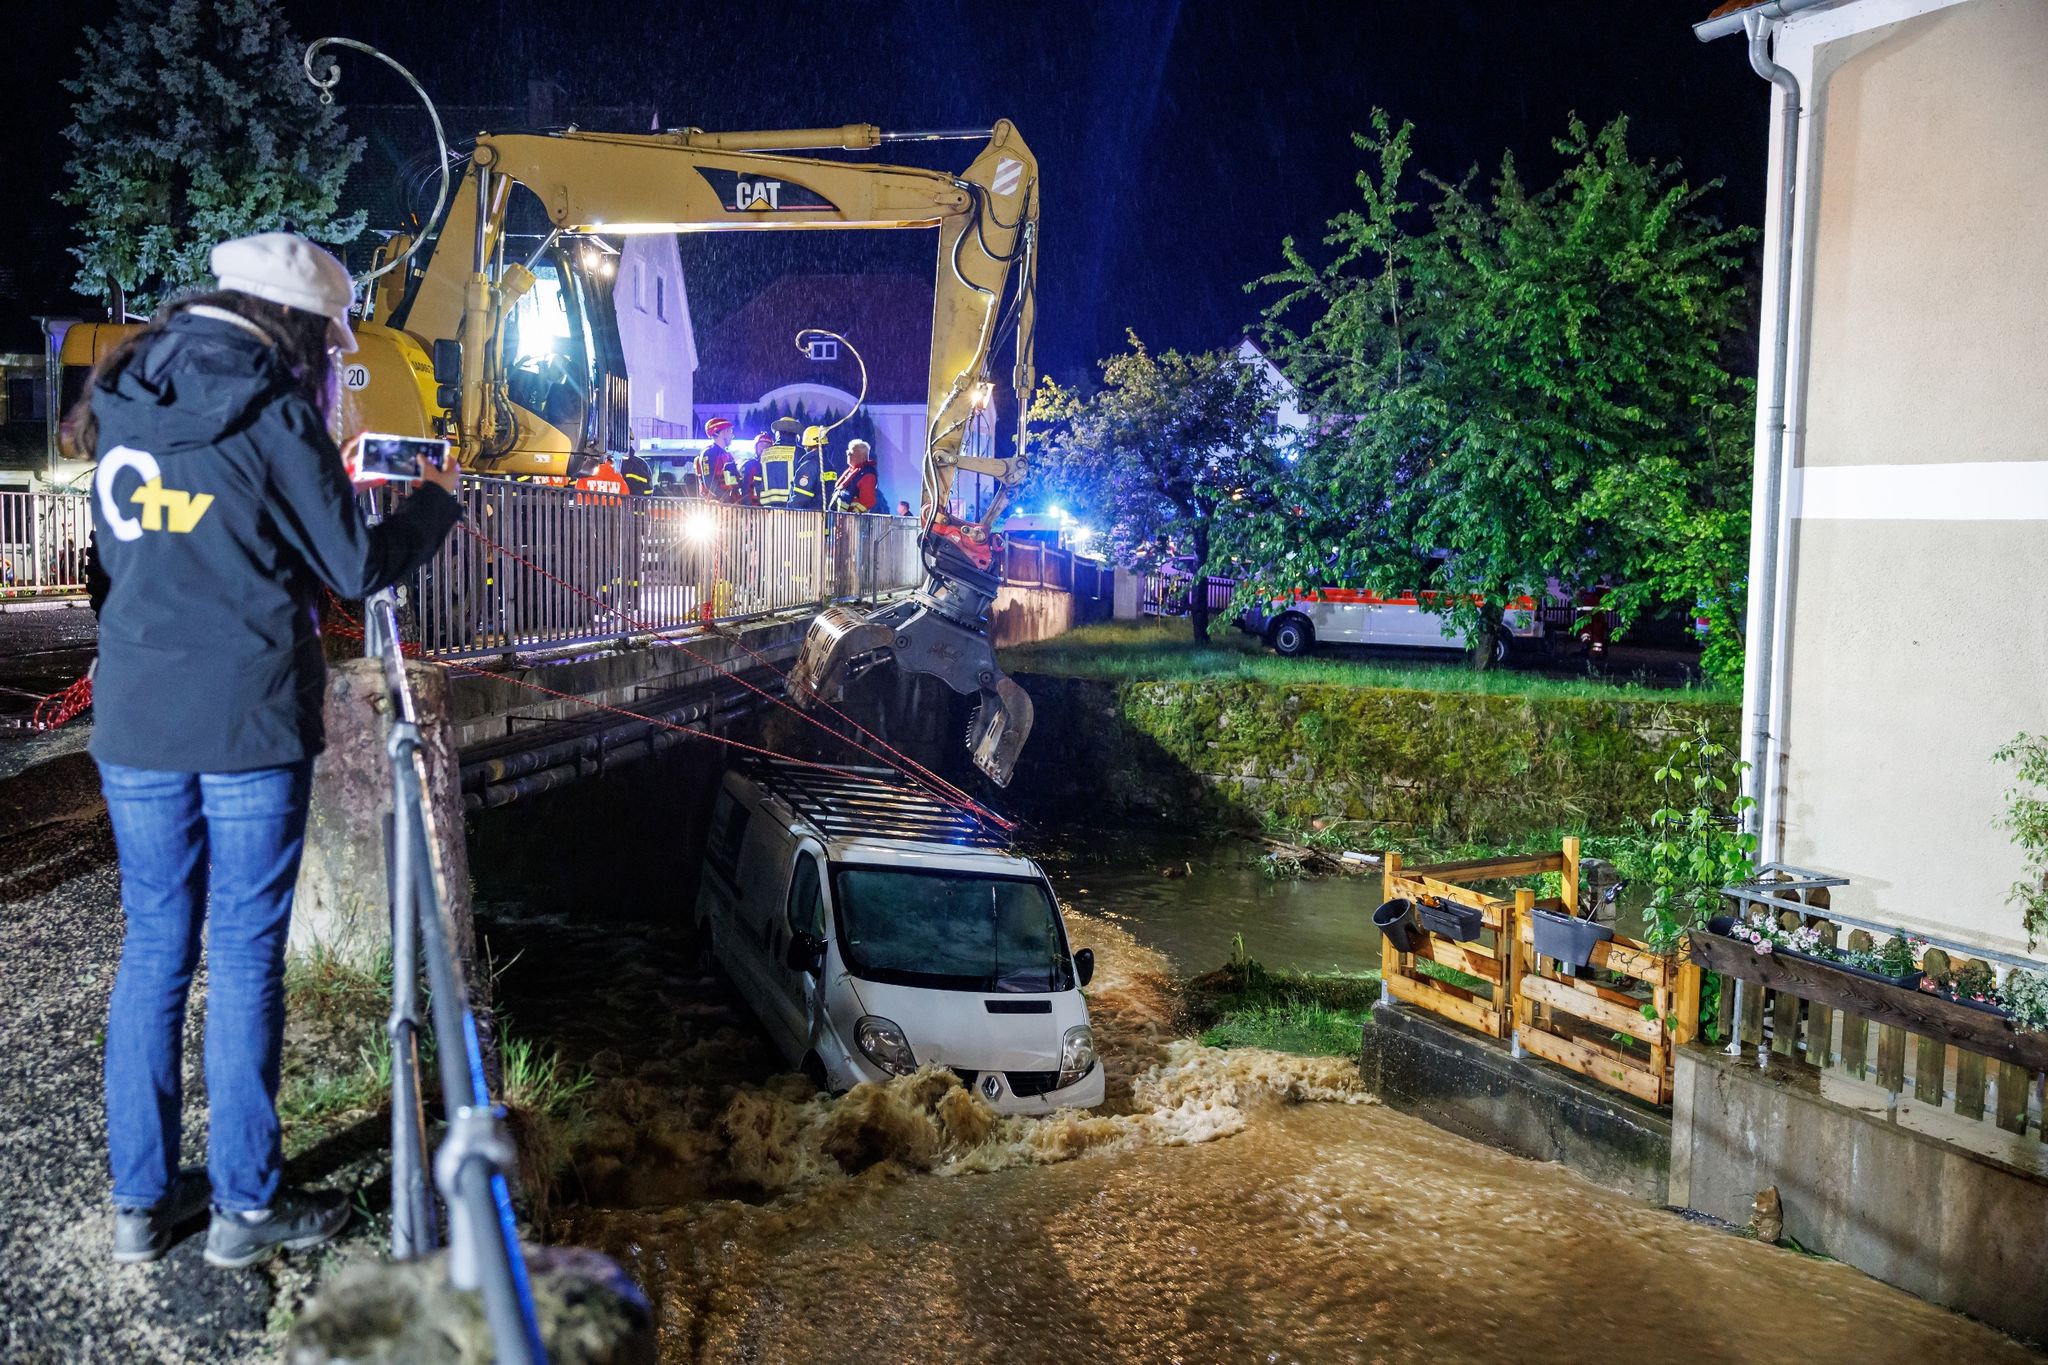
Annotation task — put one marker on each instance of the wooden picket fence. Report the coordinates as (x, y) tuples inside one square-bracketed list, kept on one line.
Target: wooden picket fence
[(1620, 1033), (1945, 1055)]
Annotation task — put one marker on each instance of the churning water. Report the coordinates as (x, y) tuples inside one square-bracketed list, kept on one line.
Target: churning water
[(1223, 1206)]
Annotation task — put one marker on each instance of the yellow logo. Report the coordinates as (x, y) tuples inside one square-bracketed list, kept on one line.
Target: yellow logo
[(161, 505)]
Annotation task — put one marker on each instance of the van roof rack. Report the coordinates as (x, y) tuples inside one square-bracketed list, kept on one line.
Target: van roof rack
[(850, 802)]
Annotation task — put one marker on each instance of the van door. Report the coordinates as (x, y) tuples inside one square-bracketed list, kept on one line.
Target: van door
[(795, 989), (763, 872)]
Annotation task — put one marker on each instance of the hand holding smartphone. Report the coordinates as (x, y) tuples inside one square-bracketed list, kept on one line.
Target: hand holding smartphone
[(374, 457)]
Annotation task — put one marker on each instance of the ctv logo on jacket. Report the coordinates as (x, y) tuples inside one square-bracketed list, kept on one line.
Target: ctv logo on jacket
[(158, 508)]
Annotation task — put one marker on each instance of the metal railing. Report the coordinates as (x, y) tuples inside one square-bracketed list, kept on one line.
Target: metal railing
[(648, 563), (476, 1158), (43, 540)]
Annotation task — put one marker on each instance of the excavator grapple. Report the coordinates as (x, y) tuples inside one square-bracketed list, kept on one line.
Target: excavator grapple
[(941, 629)]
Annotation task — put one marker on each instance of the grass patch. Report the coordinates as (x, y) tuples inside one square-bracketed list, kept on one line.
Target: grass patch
[(1155, 651), (337, 1059), (1245, 1004), (1301, 1026), (1451, 976)]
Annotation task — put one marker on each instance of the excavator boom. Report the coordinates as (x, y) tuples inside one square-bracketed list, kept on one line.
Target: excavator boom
[(986, 218)]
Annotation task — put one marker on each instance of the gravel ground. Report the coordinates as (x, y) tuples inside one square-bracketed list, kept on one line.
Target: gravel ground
[(61, 1297), (41, 651)]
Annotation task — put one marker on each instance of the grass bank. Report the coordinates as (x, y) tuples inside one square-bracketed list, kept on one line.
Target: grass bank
[(1157, 651), (1245, 1004)]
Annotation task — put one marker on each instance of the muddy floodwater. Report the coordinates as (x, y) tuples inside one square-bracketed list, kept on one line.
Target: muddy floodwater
[(1222, 1206)]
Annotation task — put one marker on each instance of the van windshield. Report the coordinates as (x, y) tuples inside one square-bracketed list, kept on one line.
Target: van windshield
[(950, 930)]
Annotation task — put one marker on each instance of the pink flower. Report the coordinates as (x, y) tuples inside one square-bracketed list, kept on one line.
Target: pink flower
[(1763, 945)]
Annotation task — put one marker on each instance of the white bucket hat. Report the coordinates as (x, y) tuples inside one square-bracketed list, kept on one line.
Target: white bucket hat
[(286, 268)]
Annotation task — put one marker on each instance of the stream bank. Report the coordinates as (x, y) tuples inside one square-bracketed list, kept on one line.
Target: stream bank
[(1239, 753)]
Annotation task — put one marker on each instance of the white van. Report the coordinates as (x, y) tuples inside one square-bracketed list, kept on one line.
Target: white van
[(1295, 625), (875, 931)]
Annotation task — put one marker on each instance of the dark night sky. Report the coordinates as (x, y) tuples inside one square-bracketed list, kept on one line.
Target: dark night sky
[(1178, 143)]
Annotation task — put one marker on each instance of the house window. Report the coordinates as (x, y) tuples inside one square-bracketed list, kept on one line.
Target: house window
[(824, 348), (639, 290), (660, 395), (660, 292)]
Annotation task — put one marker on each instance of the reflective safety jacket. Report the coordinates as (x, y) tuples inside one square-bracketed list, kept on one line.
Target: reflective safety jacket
[(717, 476), (638, 474), (777, 475)]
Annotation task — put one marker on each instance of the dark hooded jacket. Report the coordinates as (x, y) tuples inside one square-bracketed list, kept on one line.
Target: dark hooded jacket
[(220, 506)]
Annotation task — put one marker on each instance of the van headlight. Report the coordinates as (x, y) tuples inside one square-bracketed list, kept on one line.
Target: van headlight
[(882, 1043), (1077, 1054)]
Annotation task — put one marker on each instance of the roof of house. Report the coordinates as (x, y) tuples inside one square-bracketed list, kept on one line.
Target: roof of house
[(753, 350)]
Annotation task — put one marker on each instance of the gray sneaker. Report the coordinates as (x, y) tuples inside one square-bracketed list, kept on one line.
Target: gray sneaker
[(295, 1221), (146, 1234)]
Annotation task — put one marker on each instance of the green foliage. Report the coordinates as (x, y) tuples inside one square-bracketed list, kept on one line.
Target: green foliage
[(2025, 997), (1169, 452), (1451, 976), (195, 123), (2026, 815), (1696, 846), (538, 1082), (1529, 380)]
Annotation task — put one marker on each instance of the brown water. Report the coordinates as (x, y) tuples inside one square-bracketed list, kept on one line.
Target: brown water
[(1223, 1206)]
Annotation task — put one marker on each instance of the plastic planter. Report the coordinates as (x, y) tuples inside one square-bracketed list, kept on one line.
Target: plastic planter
[(1395, 920), (1450, 920), (1567, 938)]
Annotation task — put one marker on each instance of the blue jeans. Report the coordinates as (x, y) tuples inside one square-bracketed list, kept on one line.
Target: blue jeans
[(221, 848)]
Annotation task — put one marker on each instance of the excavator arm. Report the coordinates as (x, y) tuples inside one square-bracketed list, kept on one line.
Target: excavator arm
[(618, 184)]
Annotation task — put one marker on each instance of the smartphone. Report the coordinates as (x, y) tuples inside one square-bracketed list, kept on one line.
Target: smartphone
[(396, 458)]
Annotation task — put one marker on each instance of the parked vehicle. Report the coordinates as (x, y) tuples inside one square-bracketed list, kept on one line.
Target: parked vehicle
[(1294, 626), (875, 931)]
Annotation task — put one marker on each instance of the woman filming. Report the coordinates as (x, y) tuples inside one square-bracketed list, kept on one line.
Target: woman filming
[(220, 507)]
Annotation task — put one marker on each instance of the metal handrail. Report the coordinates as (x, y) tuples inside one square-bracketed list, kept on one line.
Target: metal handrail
[(476, 1157)]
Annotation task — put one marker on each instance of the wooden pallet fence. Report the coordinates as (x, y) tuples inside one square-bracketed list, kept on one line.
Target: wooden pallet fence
[(1484, 957), (1576, 1021), (1570, 1021)]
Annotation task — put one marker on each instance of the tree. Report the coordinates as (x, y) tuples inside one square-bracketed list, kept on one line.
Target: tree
[(1518, 385), (195, 123), (1168, 451)]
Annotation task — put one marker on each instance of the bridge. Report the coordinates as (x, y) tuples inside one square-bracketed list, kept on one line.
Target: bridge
[(582, 630)]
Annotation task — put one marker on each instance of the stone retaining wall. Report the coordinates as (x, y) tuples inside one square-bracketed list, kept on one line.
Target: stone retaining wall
[(1456, 765)]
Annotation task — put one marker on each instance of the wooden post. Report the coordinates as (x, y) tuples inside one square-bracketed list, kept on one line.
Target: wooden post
[(1856, 1028), (1569, 888), (1685, 1005), (1820, 1019), (1930, 1061), (1969, 1085), (1390, 960), (1510, 1001), (2014, 1081)]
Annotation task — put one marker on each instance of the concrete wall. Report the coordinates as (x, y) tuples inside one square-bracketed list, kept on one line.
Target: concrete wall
[(1024, 615), (1915, 640), (1917, 1212)]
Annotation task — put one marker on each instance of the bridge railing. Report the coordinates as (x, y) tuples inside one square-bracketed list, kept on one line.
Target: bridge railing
[(43, 540), (560, 566)]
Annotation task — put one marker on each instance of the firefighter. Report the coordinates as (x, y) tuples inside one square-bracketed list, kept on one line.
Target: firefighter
[(750, 472), (860, 488), (807, 475), (778, 461), (638, 474), (717, 476)]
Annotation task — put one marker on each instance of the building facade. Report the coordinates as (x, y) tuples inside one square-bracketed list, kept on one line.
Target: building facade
[(1907, 638)]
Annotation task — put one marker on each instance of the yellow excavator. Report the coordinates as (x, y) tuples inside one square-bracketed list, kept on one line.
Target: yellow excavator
[(432, 356)]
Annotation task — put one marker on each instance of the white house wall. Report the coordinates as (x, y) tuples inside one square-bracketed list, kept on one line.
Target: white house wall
[(659, 343), (1913, 637)]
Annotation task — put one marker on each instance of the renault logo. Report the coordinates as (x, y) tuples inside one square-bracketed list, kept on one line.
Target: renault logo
[(992, 1086)]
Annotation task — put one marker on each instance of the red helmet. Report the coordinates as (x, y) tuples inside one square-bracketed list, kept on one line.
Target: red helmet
[(716, 425)]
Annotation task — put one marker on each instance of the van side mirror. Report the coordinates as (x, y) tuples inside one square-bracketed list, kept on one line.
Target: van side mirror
[(1084, 966), (447, 361), (806, 953)]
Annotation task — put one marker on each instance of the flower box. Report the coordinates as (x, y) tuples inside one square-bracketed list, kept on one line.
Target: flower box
[(1567, 938), (1882, 999), (1721, 924)]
